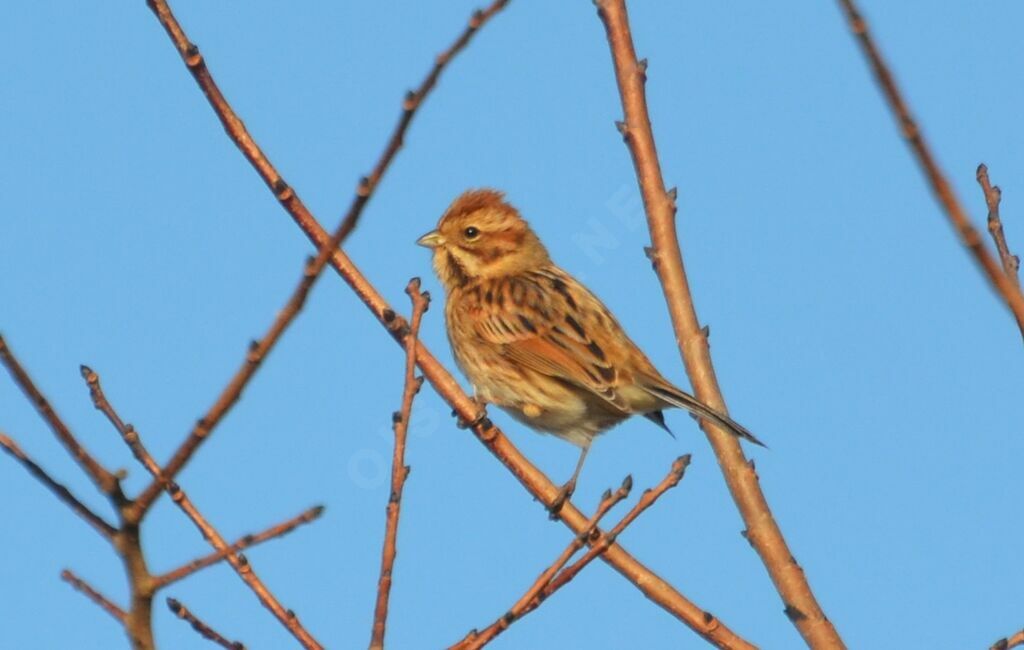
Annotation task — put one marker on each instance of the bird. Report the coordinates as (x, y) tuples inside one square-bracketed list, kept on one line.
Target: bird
[(536, 342)]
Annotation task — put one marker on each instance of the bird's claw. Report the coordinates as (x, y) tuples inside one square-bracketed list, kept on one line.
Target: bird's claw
[(555, 509)]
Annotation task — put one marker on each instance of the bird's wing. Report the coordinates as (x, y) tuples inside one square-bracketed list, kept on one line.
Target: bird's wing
[(540, 321)]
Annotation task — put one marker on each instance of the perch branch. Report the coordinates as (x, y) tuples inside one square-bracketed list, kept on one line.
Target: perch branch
[(104, 479), (245, 542), (993, 195), (61, 492), (399, 470), (259, 350), (525, 604), (536, 483), (199, 626), (958, 217), (85, 589), (762, 530)]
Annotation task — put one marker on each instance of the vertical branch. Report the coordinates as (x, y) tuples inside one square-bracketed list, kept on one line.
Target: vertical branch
[(399, 470), (961, 222), (762, 531)]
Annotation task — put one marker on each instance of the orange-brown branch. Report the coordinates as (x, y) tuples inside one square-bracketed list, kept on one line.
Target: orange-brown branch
[(762, 530), (399, 470), (87, 590), (958, 217), (542, 489), (200, 627)]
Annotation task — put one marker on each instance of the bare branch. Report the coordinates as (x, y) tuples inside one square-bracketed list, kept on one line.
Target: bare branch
[(104, 603), (526, 603), (1009, 642), (202, 628), (762, 530), (248, 541), (399, 470), (104, 479), (539, 486), (993, 195), (97, 522), (958, 217)]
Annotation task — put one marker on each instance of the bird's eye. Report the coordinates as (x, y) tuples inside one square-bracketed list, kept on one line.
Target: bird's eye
[(471, 232)]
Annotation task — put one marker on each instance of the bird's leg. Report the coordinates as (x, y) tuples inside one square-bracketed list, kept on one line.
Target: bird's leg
[(480, 416), (570, 486)]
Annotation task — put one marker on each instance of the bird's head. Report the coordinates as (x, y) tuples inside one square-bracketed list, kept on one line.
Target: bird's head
[(480, 236)]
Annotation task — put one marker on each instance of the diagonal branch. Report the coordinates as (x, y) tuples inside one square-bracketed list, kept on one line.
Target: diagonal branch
[(259, 350), (248, 541), (536, 483), (62, 493), (993, 195), (528, 600), (399, 470), (102, 601), (958, 217), (104, 479), (199, 626), (763, 532)]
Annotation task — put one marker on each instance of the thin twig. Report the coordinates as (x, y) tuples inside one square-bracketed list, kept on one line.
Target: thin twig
[(958, 217), (238, 561), (86, 589), (536, 483), (248, 541), (106, 481), (1009, 642), (97, 522), (762, 530), (399, 470), (259, 350), (202, 628), (993, 195), (478, 639)]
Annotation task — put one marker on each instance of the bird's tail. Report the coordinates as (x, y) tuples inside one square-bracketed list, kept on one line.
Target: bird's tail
[(675, 397)]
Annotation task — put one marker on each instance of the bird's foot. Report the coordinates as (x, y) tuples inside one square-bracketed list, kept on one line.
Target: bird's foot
[(555, 509), (480, 416)]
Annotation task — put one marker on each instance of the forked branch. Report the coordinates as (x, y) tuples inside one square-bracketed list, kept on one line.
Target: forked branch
[(762, 530)]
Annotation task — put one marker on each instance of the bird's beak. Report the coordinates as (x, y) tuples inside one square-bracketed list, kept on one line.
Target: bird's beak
[(432, 239)]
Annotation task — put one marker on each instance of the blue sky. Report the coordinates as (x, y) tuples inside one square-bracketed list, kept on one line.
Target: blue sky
[(850, 330)]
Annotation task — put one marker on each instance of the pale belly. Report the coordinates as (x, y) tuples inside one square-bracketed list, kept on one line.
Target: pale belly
[(541, 402)]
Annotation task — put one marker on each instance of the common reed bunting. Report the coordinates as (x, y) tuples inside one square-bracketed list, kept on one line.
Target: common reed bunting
[(536, 342)]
